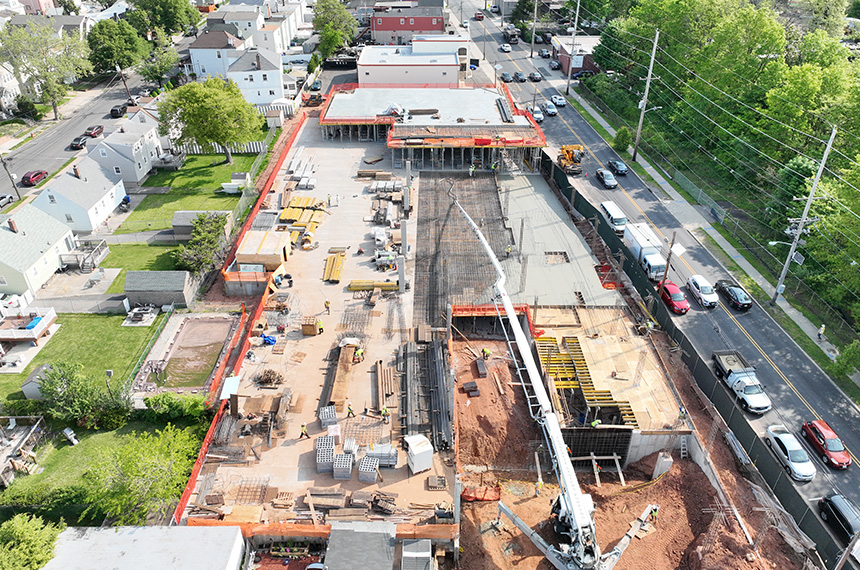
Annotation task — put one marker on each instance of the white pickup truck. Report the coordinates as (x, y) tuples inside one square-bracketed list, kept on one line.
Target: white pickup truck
[(741, 379)]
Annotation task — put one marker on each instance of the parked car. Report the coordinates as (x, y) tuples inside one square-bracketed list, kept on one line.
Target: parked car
[(606, 178), (734, 294), (554, 64), (506, 48), (506, 77), (132, 101), (549, 109), (674, 298), (494, 9), (94, 131), (701, 289), (520, 76), (316, 85), (617, 167), (544, 53), (582, 74), (841, 514), (6, 199), (537, 114), (535, 76), (465, 24), (78, 143), (826, 443), (558, 101), (34, 177), (538, 40), (790, 453), (118, 111)]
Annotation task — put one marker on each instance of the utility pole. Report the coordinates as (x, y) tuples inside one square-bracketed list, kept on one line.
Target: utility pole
[(644, 102), (534, 24), (11, 176), (779, 284), (122, 76), (572, 49), (847, 552), (666, 270)]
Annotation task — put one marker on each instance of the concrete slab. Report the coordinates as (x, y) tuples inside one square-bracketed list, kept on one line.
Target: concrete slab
[(26, 352)]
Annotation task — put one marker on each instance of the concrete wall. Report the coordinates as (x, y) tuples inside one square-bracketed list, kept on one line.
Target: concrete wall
[(644, 443), (404, 74)]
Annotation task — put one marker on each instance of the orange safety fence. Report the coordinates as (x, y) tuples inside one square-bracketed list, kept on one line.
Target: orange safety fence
[(242, 276), (491, 311), (298, 530)]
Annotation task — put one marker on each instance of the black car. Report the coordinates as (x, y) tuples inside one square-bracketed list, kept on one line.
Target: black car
[(606, 178), (734, 294), (506, 77), (617, 167), (520, 76), (78, 143), (118, 111), (841, 514), (582, 74), (554, 64), (544, 53), (535, 76)]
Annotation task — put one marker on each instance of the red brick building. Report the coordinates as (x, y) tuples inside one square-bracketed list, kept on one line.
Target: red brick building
[(400, 24)]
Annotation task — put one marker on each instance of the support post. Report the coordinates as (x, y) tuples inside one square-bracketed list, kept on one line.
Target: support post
[(534, 23), (644, 101), (572, 49)]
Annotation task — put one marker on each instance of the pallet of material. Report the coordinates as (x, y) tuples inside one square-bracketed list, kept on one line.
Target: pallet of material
[(347, 514), (280, 346), (294, 237), (368, 172), (284, 500), (333, 267), (317, 217), (384, 176), (360, 499), (366, 285), (387, 386), (342, 377), (328, 501), (290, 214), (314, 491)]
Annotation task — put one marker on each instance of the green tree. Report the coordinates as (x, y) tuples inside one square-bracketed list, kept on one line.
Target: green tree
[(169, 15), (828, 15), (200, 254), (213, 111), (27, 542), (164, 58), (622, 140), (333, 13), (68, 6), (854, 9), (74, 398), (115, 43), (330, 41), (36, 52), (142, 477), (140, 21), (26, 108), (314, 63)]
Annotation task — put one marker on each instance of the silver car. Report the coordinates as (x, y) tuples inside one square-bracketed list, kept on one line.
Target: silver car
[(549, 109), (703, 291), (558, 101), (790, 453)]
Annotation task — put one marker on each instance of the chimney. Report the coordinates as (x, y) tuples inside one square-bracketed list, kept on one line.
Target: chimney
[(76, 171), (13, 226), (259, 62), (230, 42)]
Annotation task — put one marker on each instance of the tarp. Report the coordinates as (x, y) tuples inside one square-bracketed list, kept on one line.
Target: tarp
[(230, 387), (481, 494)]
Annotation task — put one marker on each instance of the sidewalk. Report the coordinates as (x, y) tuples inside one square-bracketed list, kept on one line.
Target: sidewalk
[(693, 217)]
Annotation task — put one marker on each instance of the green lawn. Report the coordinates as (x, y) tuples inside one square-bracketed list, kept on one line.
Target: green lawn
[(138, 257), (156, 211), (98, 342), (199, 172)]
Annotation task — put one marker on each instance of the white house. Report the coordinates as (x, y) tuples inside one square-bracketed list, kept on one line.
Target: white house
[(9, 87), (130, 151), (80, 25), (82, 196), (31, 243), (259, 75), (209, 53)]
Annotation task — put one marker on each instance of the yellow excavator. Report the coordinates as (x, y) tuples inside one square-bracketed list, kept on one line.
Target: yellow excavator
[(570, 158)]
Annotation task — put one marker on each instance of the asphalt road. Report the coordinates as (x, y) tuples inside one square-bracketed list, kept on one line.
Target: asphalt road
[(799, 390)]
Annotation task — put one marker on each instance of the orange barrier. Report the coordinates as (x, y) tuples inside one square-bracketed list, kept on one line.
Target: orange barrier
[(296, 530), (490, 311)]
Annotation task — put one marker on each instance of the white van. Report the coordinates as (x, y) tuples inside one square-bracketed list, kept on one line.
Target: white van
[(614, 216)]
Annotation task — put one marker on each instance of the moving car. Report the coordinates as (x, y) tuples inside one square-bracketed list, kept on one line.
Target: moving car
[(790, 453), (544, 53), (6, 199), (506, 48), (538, 115), (702, 290), (118, 111), (94, 131), (78, 143), (520, 76), (554, 64), (841, 514), (33, 177), (535, 76), (316, 85), (558, 101), (606, 178), (674, 298), (734, 294), (506, 77), (550, 109), (617, 167), (479, 16), (826, 443)]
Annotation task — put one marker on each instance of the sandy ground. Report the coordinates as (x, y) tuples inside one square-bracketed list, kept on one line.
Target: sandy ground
[(686, 534)]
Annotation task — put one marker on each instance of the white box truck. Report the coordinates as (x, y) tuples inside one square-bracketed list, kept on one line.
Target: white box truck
[(645, 247)]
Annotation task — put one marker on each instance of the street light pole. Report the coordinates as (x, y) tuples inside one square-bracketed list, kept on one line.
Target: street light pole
[(799, 232), (11, 176), (534, 24), (572, 49), (644, 101)]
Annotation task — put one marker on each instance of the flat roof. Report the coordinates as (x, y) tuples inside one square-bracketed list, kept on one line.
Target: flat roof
[(403, 55)]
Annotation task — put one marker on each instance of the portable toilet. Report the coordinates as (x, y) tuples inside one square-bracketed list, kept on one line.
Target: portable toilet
[(419, 456)]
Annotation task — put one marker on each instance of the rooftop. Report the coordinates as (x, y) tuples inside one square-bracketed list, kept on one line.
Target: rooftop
[(37, 233), (257, 60), (584, 44), (403, 55), (428, 11), (155, 281), (215, 40), (95, 181)]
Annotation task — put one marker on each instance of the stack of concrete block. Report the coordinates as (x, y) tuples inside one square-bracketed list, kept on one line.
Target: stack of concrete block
[(386, 453), (368, 470), (350, 446), (342, 469), (328, 416), (325, 460), (324, 442)]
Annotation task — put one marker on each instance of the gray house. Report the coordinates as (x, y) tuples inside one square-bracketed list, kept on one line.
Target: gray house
[(130, 152), (159, 287)]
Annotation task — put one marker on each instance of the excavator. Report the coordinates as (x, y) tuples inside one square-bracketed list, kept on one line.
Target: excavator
[(570, 158)]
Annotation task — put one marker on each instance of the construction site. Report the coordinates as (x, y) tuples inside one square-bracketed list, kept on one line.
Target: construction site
[(465, 343)]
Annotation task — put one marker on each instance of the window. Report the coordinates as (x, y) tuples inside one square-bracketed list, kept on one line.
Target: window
[(402, 21), (102, 153), (367, 73), (411, 21), (218, 53), (379, 21), (444, 73), (138, 166), (203, 68), (3, 282), (250, 79), (117, 170), (271, 92), (265, 77), (434, 21), (69, 218), (52, 199)]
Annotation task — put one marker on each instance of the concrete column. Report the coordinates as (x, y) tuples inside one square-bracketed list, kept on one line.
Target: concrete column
[(404, 245), (401, 273)]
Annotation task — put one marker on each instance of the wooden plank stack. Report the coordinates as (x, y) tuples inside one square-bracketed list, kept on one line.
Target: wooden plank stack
[(387, 386)]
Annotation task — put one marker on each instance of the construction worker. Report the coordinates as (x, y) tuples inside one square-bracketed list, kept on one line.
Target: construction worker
[(538, 487), (653, 517), (350, 413), (319, 326), (486, 353), (596, 423), (385, 414), (358, 356), (508, 251), (327, 307), (472, 170), (821, 332), (304, 432)]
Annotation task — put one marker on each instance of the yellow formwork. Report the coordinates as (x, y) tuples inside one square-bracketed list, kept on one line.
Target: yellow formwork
[(333, 267)]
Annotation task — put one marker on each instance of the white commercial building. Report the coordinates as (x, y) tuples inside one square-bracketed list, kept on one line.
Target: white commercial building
[(430, 60)]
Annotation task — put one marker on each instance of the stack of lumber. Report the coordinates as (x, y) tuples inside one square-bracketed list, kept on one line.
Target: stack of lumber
[(387, 386), (327, 497), (343, 374), (366, 285)]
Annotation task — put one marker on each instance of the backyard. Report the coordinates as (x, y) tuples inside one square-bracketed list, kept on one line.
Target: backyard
[(138, 257), (201, 171), (98, 342), (156, 211)]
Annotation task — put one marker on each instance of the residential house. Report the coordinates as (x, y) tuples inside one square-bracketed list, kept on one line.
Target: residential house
[(131, 151), (37, 6), (209, 53), (10, 88), (159, 288), (31, 243), (259, 75), (80, 25), (83, 196), (399, 25)]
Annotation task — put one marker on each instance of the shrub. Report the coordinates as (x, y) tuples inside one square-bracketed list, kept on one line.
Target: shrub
[(623, 138), (27, 108), (13, 122), (169, 407)]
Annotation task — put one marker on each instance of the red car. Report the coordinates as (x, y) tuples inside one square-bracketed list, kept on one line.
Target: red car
[(674, 298), (94, 131), (33, 177), (826, 443)]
